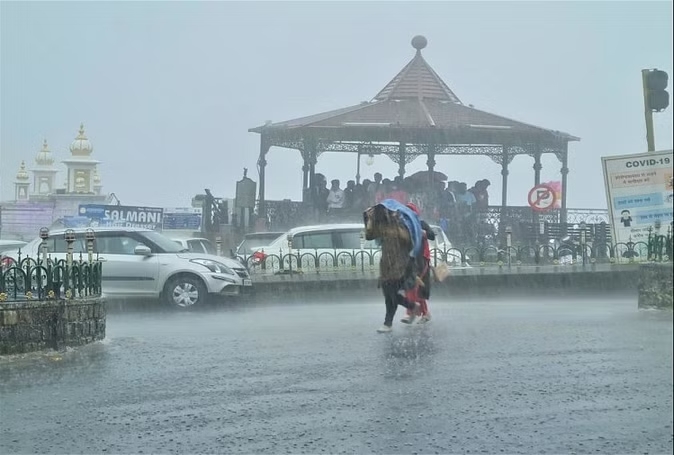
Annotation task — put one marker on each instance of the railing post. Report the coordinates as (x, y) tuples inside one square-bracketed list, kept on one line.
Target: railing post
[(509, 242), (583, 239), (90, 237)]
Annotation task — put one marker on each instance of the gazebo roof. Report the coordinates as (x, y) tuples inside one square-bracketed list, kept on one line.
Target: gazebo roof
[(416, 106)]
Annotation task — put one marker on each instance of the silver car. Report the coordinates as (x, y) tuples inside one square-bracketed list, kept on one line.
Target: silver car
[(196, 245), (141, 263)]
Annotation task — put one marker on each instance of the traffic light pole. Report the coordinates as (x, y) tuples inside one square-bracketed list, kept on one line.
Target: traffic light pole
[(648, 113)]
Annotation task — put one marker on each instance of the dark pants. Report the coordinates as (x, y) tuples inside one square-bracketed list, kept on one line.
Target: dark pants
[(393, 299)]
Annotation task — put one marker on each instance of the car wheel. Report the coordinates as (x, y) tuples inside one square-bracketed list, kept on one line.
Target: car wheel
[(184, 292)]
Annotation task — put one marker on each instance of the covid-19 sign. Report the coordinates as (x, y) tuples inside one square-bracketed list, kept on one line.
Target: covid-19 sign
[(639, 194)]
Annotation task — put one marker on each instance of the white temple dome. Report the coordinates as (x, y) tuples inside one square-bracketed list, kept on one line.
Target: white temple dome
[(22, 175), (81, 145), (44, 156)]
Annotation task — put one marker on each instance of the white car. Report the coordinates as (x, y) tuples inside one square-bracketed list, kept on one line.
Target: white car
[(334, 246), (141, 263), (10, 245)]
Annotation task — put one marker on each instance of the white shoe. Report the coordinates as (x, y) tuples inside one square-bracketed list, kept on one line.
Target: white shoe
[(407, 319), (384, 329), (424, 319), (417, 310)]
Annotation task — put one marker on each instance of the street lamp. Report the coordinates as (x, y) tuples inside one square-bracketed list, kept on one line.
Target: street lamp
[(69, 236), (44, 235), (90, 236)]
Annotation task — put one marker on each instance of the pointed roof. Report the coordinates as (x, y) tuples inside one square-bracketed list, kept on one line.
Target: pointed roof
[(22, 175), (415, 106), (417, 80)]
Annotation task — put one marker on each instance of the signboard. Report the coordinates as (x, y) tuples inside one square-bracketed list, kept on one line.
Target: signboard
[(184, 218), (122, 216), (542, 197), (638, 193)]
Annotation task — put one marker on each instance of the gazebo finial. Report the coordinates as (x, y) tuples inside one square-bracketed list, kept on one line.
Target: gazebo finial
[(419, 42)]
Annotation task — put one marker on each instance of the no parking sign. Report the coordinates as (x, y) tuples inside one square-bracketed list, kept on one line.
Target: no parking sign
[(542, 197)]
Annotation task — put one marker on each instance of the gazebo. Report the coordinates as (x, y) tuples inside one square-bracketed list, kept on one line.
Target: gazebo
[(415, 114)]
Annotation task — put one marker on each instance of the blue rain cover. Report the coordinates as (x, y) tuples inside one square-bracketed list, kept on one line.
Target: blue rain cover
[(411, 221)]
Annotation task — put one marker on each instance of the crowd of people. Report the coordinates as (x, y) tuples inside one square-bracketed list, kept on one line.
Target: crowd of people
[(452, 205)]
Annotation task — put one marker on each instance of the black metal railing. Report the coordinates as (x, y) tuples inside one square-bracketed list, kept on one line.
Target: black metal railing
[(577, 252), (660, 246), (28, 278)]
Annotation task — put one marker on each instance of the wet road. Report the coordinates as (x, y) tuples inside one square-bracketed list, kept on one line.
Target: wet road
[(578, 375)]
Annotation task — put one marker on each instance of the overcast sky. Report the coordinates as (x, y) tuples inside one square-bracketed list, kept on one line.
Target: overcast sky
[(167, 90)]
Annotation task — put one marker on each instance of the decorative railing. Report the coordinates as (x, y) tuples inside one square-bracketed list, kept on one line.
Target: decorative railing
[(36, 279), (367, 260), (588, 216)]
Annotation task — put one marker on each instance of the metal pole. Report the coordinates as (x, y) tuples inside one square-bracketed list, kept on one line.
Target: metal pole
[(90, 236), (69, 236), (565, 172), (504, 215), (648, 113), (358, 169)]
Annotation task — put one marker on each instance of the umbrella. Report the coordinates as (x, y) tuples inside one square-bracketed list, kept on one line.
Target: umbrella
[(428, 176)]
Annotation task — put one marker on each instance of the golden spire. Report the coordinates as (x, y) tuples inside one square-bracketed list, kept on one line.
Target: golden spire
[(44, 156), (22, 175), (81, 145)]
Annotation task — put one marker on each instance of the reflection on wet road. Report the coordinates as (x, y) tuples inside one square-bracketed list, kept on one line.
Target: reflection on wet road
[(496, 376)]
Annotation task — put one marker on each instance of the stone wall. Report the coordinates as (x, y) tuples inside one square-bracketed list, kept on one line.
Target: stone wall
[(655, 285), (556, 279), (52, 324)]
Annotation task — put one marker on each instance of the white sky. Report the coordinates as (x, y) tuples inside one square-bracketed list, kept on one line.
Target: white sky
[(167, 90)]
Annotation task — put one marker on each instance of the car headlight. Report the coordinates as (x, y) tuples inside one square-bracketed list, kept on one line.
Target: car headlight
[(215, 267)]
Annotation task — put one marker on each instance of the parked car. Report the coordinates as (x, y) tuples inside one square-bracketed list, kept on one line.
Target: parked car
[(196, 245), (332, 245), (9, 246), (141, 263), (256, 240)]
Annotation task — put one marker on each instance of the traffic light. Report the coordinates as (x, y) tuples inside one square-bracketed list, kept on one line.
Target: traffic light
[(655, 83)]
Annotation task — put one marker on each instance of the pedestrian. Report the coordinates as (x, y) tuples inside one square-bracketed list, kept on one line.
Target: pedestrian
[(421, 292), (335, 197)]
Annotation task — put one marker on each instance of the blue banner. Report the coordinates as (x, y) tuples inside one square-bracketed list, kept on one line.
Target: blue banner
[(122, 216)]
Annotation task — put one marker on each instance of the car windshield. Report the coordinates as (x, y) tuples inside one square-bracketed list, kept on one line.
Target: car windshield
[(164, 243), (253, 243), (208, 246)]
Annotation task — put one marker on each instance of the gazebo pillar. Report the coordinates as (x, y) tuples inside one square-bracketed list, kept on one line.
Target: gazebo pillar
[(305, 174), (537, 168), (504, 179), (401, 159), (504, 217), (430, 162), (262, 164), (310, 160), (565, 171)]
